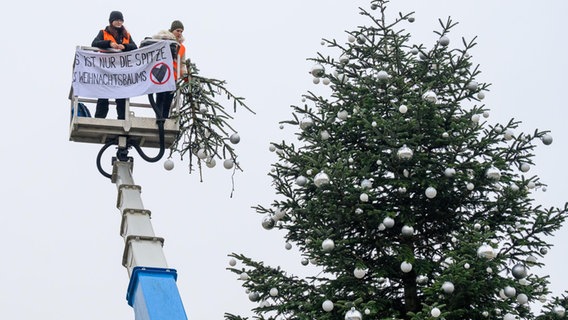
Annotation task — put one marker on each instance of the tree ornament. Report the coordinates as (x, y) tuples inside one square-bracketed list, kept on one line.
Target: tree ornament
[(546, 139), (519, 271), (301, 181), (325, 81), (403, 109), (318, 70), (470, 186), (493, 174), (202, 154), (522, 298), (366, 184), (466, 266), (351, 38), (475, 118), (559, 310), (210, 162), (509, 291), (304, 261), (203, 109), (410, 19), (327, 245), (404, 153), (435, 312), (342, 115), (253, 296), (321, 179), (448, 287), (430, 96), (279, 214), (481, 96), (168, 164), (273, 292), (543, 251), (364, 197), (431, 192), (509, 316), (508, 135), (272, 148), (449, 172), (288, 246), (344, 59), (407, 231), (486, 114), (232, 262), (235, 138), (444, 41), (382, 75), (244, 276), (327, 305), (306, 123), (353, 314), (525, 167), (388, 222), (316, 80), (268, 222), (228, 163), (472, 86), (360, 39), (324, 135), (359, 273), (486, 251), (405, 267)]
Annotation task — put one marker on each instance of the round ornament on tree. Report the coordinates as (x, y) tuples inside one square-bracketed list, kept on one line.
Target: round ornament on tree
[(235, 138), (327, 305), (486, 251), (519, 271), (404, 153), (321, 179), (268, 222), (327, 245), (353, 314), (168, 164)]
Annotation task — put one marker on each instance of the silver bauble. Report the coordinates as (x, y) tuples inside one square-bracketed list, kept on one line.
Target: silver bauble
[(210, 163), (444, 41), (235, 138), (359, 273), (449, 172), (519, 271), (522, 298), (366, 184), (353, 314), (318, 70), (543, 251), (472, 86), (546, 139), (493, 173), (486, 251), (168, 164), (430, 192), (321, 179), (253, 296), (228, 163), (525, 167), (406, 267), (430, 96), (448, 287), (273, 292), (407, 231), (304, 261), (382, 75), (324, 135), (327, 245), (559, 310), (404, 153), (342, 115), (268, 222), (306, 123), (388, 222), (301, 180), (509, 291), (435, 312), (327, 305)]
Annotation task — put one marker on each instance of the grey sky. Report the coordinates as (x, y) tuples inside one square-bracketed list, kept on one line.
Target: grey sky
[(61, 253)]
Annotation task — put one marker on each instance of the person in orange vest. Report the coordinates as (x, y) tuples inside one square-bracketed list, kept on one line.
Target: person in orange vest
[(164, 99), (113, 37), (177, 29)]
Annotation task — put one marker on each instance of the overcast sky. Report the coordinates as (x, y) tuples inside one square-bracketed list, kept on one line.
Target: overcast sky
[(61, 249)]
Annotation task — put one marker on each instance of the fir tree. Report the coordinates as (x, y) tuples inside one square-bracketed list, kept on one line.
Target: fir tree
[(407, 200)]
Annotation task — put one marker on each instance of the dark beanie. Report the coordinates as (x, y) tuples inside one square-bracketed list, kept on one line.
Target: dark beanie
[(115, 15), (176, 25)]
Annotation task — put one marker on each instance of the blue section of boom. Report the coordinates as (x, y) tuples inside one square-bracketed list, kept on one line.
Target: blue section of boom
[(153, 294)]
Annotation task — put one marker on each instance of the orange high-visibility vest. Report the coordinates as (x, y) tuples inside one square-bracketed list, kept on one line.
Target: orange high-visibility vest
[(108, 36), (181, 53)]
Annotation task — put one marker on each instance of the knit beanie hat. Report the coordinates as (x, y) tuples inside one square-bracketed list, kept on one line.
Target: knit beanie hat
[(115, 15), (176, 25)]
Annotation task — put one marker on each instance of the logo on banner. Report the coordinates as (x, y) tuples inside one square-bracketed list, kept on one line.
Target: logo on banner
[(160, 74)]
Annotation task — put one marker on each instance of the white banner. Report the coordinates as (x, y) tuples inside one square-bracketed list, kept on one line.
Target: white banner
[(124, 74)]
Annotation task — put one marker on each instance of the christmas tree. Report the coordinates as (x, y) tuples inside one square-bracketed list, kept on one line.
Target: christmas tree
[(408, 203)]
